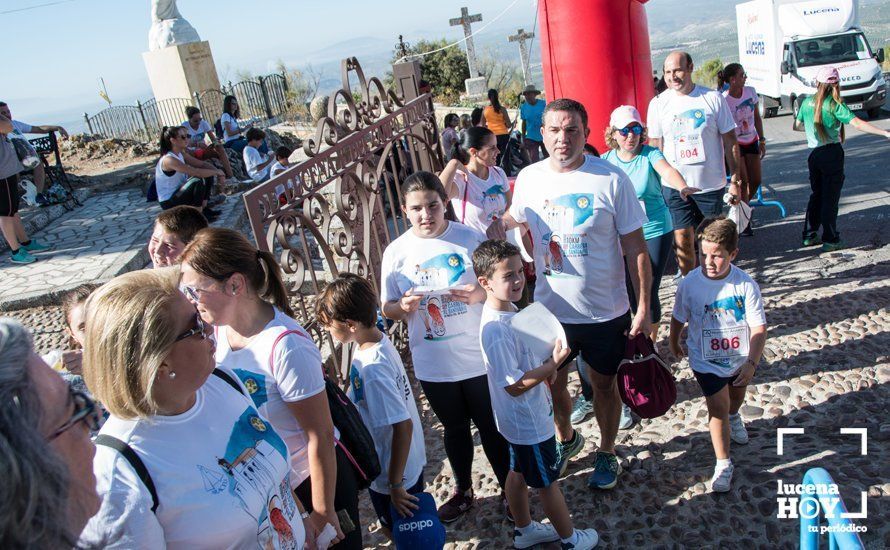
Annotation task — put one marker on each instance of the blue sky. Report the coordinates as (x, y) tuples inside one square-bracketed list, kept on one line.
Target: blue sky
[(65, 48)]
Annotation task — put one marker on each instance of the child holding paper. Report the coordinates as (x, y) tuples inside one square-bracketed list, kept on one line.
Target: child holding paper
[(522, 405)]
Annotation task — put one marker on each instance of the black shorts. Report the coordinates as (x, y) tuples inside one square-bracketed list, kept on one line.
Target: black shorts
[(381, 502), (9, 196), (601, 345), (699, 206), (712, 383), (539, 463), (750, 148)]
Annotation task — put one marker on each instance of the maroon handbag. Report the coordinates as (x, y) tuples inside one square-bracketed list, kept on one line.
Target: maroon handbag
[(645, 382)]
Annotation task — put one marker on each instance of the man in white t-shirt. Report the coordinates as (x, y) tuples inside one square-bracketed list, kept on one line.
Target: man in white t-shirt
[(582, 212), (25, 128), (695, 130)]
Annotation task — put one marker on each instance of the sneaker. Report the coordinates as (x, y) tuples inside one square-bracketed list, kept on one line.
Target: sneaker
[(626, 420), (21, 256), (812, 241), (535, 533), (568, 449), (581, 409), (35, 246), (721, 479), (585, 539), (605, 471), (831, 247), (507, 513), (737, 431), (456, 506)]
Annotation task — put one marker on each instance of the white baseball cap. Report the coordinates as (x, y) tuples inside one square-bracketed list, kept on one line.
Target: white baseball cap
[(624, 115)]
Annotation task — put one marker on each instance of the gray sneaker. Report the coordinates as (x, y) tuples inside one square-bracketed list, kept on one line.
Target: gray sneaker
[(568, 449), (737, 431), (722, 478), (581, 409), (626, 420)]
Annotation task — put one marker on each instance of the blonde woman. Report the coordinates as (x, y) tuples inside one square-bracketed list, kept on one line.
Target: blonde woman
[(823, 117), (185, 460)]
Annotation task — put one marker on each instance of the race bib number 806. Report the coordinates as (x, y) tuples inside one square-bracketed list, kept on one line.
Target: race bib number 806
[(723, 343)]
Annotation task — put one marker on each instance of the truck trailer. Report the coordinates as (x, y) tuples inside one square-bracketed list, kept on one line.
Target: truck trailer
[(784, 43)]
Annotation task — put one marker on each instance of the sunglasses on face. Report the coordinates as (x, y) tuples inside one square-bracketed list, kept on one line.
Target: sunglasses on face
[(197, 329), (636, 130), (85, 410)]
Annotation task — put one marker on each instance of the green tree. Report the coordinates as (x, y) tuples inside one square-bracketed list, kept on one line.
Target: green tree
[(445, 70), (706, 75)]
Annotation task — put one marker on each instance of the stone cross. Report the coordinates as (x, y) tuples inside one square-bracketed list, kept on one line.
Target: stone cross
[(464, 20), (522, 37)]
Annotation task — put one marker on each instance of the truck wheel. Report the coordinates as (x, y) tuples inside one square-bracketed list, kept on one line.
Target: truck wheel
[(795, 106), (765, 112), (771, 112), (874, 113)]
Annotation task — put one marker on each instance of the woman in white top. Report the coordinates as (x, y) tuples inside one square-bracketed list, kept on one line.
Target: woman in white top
[(180, 178), (427, 279), (199, 131), (477, 188), (233, 132), (185, 459), (240, 291)]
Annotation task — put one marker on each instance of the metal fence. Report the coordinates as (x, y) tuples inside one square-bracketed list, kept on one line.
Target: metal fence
[(264, 98)]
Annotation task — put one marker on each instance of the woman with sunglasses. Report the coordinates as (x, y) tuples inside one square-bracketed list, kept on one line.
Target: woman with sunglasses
[(185, 459), (180, 178), (240, 291), (648, 170), (45, 449)]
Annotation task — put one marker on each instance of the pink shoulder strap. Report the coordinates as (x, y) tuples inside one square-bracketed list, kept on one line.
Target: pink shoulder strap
[(275, 344)]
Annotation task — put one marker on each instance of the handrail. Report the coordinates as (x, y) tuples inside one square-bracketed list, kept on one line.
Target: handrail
[(841, 536)]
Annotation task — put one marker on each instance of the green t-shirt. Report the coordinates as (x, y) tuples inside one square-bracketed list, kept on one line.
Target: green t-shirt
[(833, 115)]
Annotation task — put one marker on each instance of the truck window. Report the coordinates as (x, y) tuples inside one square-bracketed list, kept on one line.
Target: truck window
[(831, 49)]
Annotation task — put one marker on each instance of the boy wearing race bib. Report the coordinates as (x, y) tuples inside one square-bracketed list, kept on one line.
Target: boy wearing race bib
[(725, 339)]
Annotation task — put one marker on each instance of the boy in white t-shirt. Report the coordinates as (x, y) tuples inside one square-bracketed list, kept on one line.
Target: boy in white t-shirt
[(282, 160), (725, 339), (522, 405), (256, 163), (380, 390)]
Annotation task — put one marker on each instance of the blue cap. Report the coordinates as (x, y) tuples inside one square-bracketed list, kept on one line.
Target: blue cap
[(423, 530)]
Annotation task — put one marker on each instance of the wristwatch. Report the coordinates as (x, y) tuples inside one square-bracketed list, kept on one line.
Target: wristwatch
[(304, 515), (753, 364), (398, 485)]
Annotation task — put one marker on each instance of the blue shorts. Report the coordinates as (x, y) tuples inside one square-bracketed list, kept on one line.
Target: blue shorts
[(699, 206), (381, 502), (538, 464)]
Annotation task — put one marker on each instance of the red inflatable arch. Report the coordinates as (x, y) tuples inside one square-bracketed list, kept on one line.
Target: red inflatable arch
[(597, 51)]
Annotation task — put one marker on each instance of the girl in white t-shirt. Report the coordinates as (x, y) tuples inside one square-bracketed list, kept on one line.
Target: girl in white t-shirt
[(742, 101), (427, 279), (239, 290), (477, 188)]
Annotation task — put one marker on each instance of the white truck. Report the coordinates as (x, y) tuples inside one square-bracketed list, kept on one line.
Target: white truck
[(784, 43)]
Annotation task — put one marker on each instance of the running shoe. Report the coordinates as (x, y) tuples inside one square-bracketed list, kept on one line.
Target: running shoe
[(722, 478), (584, 539), (456, 506), (626, 420), (568, 449), (581, 409), (21, 256), (605, 471), (535, 533), (832, 247), (812, 241), (35, 246), (737, 431)]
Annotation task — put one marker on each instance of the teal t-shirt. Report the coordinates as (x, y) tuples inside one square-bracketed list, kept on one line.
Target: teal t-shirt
[(833, 115), (647, 184), (532, 114)]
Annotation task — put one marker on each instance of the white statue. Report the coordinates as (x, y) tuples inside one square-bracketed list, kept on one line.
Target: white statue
[(168, 28)]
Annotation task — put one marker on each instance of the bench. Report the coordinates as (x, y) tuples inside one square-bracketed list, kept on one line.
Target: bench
[(56, 178)]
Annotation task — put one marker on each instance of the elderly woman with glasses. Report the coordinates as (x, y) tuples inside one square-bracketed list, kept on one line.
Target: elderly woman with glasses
[(180, 178), (648, 170), (185, 460), (48, 490)]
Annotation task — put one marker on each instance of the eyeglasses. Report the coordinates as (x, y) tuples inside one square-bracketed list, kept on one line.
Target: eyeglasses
[(85, 410), (637, 130), (197, 329)]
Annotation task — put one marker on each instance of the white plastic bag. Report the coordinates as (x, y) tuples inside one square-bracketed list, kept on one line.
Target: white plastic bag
[(740, 213)]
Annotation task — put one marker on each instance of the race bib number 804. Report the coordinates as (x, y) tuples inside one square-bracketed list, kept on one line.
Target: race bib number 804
[(723, 343)]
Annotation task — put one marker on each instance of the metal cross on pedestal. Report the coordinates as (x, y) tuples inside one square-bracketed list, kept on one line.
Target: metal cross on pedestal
[(522, 37), (464, 20)]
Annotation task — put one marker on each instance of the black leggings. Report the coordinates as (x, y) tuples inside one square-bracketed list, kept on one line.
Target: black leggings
[(455, 404), (192, 193), (826, 164), (345, 498), (659, 252)]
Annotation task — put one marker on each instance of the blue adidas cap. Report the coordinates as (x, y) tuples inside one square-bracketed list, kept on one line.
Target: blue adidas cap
[(423, 530)]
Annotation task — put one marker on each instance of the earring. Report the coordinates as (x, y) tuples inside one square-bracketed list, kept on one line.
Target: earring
[(172, 375)]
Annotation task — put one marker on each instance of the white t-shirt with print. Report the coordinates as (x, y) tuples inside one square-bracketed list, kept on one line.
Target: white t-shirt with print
[(196, 137), (691, 128), (252, 159), (720, 314), (443, 334), (382, 394), (294, 375), (479, 202), (221, 473), (528, 418), (576, 219), (742, 110)]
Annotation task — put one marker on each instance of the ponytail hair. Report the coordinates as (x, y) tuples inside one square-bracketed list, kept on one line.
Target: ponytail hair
[(219, 253), (494, 100), (472, 138), (728, 72), (166, 142), (826, 92)]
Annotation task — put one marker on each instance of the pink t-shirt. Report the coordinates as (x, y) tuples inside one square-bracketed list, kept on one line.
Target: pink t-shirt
[(742, 109)]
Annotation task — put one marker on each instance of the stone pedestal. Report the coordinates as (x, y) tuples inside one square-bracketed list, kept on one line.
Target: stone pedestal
[(178, 72), (477, 87)]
